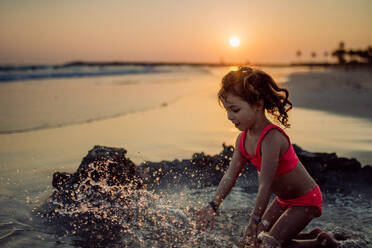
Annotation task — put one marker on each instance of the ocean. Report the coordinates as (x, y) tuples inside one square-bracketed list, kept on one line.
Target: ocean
[(52, 115)]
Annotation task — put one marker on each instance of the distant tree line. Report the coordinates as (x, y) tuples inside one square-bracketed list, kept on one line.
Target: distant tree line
[(364, 55), (354, 56)]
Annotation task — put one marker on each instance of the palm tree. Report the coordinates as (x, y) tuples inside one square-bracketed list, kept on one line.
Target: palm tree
[(340, 53), (326, 54), (298, 53), (313, 54)]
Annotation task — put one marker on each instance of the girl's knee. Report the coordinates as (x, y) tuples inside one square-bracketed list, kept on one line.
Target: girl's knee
[(269, 241)]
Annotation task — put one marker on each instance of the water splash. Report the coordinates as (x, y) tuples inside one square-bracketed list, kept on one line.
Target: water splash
[(99, 214)]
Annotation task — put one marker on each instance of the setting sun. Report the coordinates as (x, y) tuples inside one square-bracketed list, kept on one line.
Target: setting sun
[(234, 41)]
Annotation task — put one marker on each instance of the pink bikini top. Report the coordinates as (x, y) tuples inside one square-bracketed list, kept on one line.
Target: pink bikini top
[(287, 162)]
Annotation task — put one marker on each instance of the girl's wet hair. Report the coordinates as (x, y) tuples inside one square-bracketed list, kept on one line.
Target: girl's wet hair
[(255, 85)]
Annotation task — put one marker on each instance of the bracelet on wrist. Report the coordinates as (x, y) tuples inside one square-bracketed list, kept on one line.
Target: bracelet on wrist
[(213, 206), (256, 218)]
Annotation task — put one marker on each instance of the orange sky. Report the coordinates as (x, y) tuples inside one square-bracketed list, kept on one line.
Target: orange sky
[(44, 32)]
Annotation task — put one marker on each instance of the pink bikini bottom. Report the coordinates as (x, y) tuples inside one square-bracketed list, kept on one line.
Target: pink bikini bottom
[(312, 198)]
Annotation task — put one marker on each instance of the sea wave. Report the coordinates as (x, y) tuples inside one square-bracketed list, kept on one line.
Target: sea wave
[(31, 72)]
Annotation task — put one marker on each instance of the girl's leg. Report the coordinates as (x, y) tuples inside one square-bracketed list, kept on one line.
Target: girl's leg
[(322, 240), (326, 240), (310, 243), (271, 215), (309, 235), (292, 222)]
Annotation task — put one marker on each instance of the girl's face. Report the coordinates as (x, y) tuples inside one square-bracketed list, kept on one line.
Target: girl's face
[(242, 114)]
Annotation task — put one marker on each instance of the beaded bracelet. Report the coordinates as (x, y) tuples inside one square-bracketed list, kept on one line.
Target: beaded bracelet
[(256, 218), (259, 220)]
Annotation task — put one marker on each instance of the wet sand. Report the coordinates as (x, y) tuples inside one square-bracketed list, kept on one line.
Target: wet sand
[(339, 91)]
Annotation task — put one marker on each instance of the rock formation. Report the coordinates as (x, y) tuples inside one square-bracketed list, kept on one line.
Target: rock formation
[(109, 195)]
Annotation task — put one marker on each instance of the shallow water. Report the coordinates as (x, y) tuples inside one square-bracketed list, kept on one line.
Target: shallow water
[(166, 219)]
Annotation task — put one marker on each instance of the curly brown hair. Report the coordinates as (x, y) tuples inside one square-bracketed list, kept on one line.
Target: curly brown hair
[(254, 85)]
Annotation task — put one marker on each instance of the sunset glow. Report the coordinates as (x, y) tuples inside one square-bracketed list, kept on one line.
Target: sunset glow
[(166, 32), (234, 41)]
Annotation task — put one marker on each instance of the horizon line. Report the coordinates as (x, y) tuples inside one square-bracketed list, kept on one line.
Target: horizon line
[(173, 63)]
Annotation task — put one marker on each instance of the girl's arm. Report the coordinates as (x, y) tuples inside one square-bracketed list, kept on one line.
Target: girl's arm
[(206, 215), (270, 150), (229, 179)]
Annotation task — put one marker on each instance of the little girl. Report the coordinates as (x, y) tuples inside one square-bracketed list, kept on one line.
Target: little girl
[(246, 94)]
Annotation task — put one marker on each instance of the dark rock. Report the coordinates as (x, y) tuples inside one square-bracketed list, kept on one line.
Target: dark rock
[(332, 173), (87, 202), (200, 171), (106, 163), (336, 174), (59, 179)]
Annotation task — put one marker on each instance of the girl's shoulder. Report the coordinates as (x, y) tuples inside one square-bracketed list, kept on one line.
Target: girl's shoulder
[(276, 137), (274, 131)]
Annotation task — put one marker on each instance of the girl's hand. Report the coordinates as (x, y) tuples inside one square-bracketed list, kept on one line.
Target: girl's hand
[(251, 234), (205, 218)]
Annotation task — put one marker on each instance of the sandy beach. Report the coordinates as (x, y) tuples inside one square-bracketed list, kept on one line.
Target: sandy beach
[(340, 91), (159, 117)]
